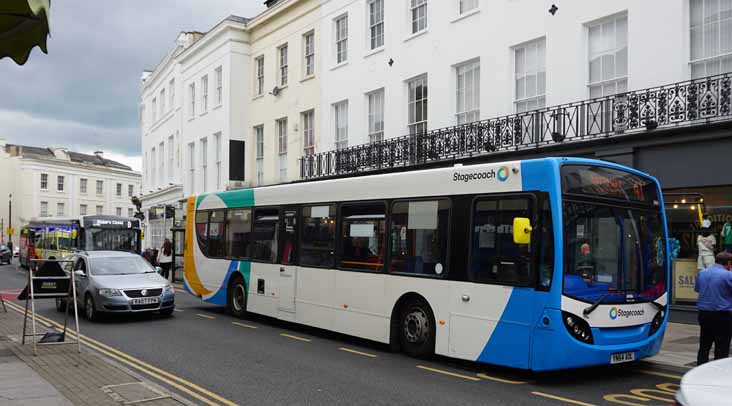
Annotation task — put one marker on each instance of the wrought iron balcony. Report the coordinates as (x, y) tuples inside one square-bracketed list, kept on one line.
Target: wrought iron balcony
[(689, 103)]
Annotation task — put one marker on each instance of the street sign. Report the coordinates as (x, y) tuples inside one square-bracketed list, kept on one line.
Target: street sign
[(10, 231)]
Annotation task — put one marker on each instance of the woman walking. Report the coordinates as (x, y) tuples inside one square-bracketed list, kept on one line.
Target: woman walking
[(165, 257)]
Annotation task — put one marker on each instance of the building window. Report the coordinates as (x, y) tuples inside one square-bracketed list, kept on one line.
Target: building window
[(130, 190), (191, 167), (44, 181), (308, 132), (419, 15), (171, 149), (153, 164), (530, 70), (142, 116), (130, 212), (44, 209), (711, 37), (60, 209), (282, 51), (83, 185), (465, 6), (467, 80), (171, 93), (192, 100), (417, 105), (119, 211), (119, 190), (260, 75), (161, 162), (204, 162), (376, 23), (154, 111), (60, 183), (82, 210), (309, 45), (376, 115), (282, 143), (341, 38), (100, 210), (100, 187), (219, 85), (259, 138), (162, 103), (204, 94), (608, 65), (218, 153), (340, 115)]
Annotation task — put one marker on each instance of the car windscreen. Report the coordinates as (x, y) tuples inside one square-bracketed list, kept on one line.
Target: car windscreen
[(127, 265)]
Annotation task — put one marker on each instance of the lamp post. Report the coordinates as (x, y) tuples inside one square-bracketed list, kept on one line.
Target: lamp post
[(10, 218)]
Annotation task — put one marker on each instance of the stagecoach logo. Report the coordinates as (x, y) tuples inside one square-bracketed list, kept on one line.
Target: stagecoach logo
[(143, 292), (615, 313), (501, 175)]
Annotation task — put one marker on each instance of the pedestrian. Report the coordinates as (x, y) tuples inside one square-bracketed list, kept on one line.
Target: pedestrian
[(705, 244), (714, 286), (165, 257)]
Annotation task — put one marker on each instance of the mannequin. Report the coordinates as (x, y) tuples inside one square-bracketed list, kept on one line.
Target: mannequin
[(727, 236), (705, 244)]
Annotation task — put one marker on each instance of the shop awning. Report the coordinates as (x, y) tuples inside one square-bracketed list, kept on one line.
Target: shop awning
[(23, 25)]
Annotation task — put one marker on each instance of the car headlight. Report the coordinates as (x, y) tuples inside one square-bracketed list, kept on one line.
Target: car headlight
[(110, 292), (169, 289)]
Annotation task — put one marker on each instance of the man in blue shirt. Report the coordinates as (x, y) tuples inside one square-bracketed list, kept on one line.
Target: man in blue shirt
[(714, 286)]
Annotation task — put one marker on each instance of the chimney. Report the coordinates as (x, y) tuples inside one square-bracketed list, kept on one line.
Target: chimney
[(99, 154), (270, 3)]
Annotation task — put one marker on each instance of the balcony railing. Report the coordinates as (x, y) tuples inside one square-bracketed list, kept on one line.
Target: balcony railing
[(689, 103)]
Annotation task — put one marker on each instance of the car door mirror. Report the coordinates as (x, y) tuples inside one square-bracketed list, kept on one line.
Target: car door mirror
[(159, 270), (521, 230), (80, 273)]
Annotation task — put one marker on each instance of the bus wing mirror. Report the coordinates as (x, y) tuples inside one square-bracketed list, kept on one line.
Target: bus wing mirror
[(521, 230)]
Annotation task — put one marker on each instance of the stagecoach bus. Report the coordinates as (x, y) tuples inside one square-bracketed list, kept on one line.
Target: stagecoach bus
[(539, 264), (55, 238)]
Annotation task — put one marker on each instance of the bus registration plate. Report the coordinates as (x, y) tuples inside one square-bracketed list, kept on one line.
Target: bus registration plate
[(621, 357), (144, 300)]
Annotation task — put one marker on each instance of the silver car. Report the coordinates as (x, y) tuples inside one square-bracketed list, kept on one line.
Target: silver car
[(118, 282)]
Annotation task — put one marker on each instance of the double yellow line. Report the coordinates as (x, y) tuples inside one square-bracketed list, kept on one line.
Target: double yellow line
[(207, 397)]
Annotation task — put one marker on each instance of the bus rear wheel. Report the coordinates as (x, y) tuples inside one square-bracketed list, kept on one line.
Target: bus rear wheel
[(417, 329), (236, 298)]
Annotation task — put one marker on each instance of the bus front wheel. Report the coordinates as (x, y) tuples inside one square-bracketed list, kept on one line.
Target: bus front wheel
[(417, 329), (236, 298)]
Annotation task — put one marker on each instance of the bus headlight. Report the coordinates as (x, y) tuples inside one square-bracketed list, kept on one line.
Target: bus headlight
[(578, 328), (657, 321)]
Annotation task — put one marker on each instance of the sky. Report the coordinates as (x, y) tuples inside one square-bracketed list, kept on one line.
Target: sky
[(84, 94)]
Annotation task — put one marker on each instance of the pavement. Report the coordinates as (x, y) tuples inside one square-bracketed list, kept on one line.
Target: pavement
[(202, 356)]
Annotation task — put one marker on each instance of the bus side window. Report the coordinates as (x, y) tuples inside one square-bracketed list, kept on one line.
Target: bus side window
[(217, 234), (546, 260), (363, 228), (238, 233), (202, 231), (288, 237), (317, 239), (264, 234), (419, 237), (495, 258)]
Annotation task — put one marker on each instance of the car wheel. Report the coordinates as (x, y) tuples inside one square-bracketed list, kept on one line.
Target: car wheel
[(236, 298), (417, 329), (60, 305), (89, 310)]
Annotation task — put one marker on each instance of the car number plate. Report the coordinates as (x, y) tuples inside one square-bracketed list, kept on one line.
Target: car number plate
[(621, 357), (145, 300)]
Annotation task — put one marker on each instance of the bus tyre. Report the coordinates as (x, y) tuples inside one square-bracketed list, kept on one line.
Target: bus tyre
[(417, 329), (60, 305), (236, 298), (89, 310)]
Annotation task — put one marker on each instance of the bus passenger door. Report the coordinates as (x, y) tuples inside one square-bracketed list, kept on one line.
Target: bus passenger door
[(288, 260)]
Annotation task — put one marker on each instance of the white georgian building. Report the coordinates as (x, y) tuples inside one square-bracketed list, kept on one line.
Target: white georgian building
[(56, 182)]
